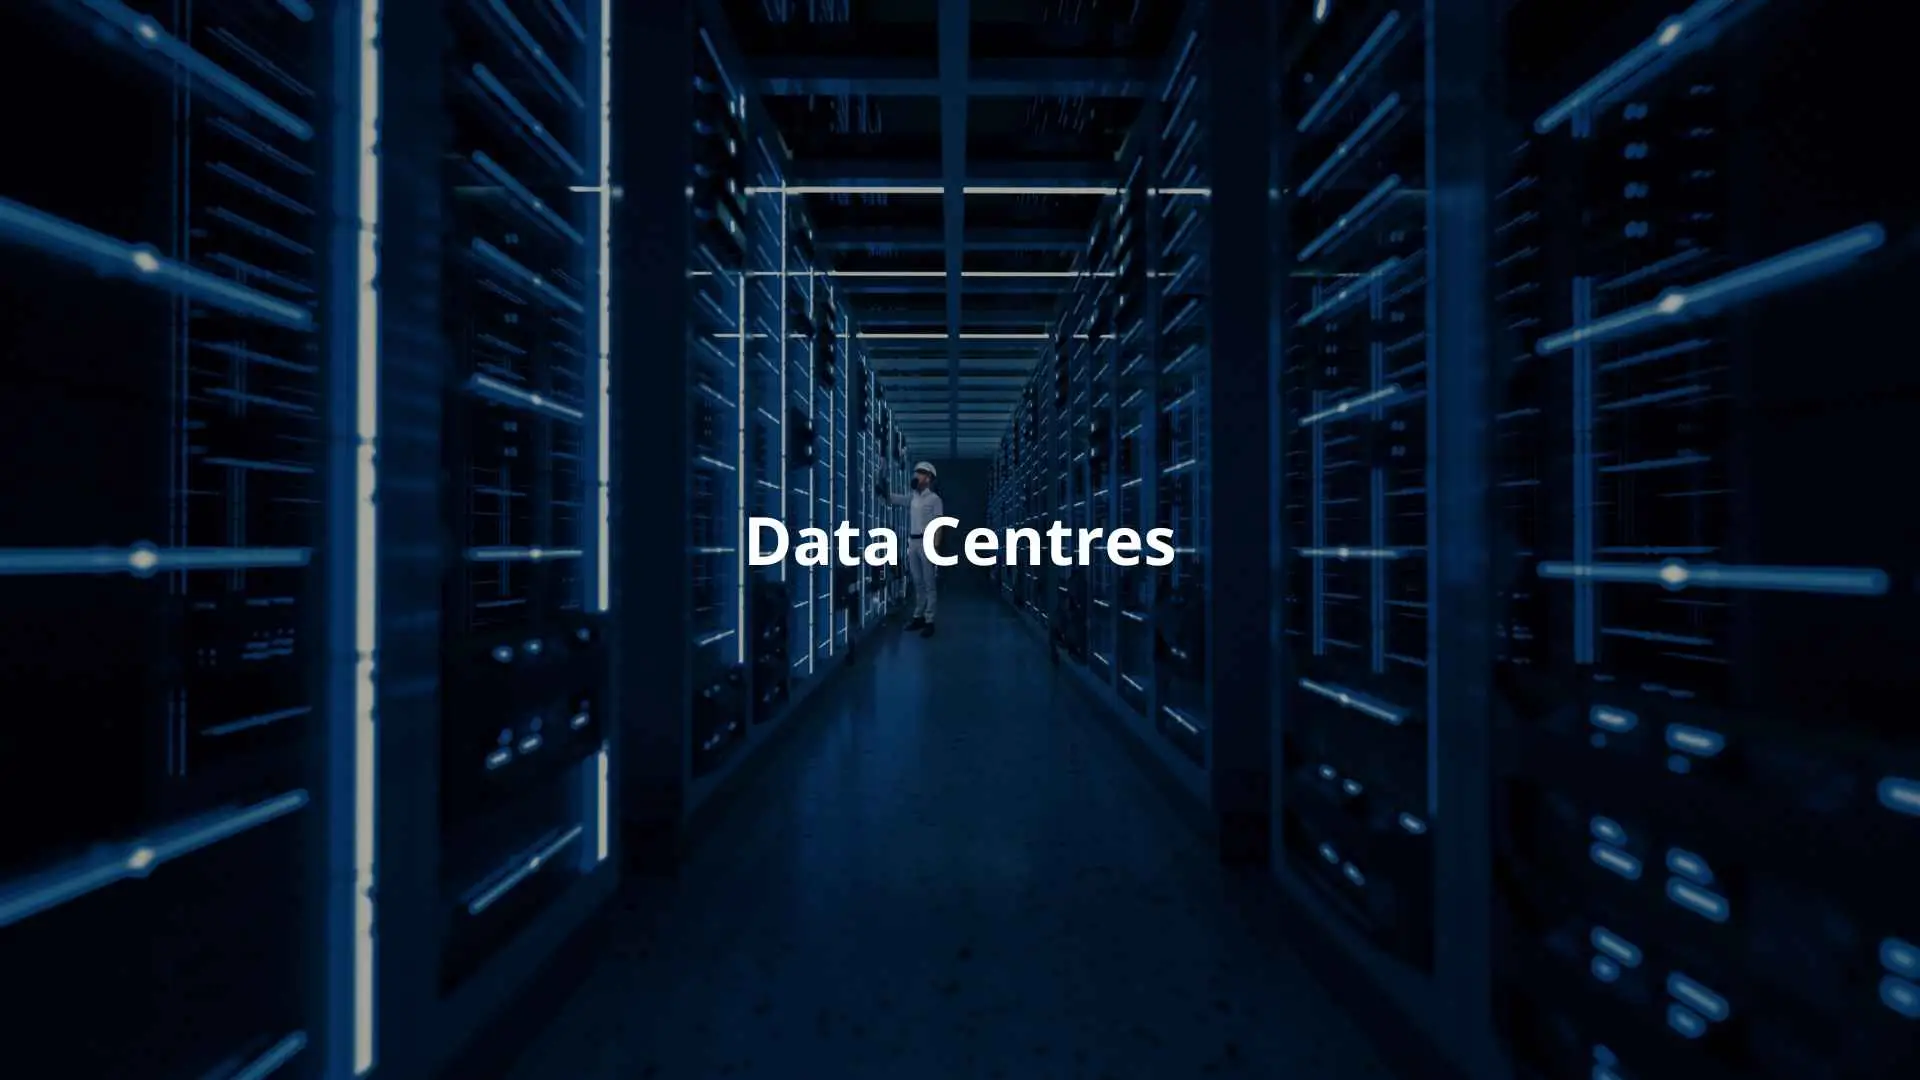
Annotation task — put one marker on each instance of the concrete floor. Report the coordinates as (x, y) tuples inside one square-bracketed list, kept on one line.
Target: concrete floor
[(954, 870)]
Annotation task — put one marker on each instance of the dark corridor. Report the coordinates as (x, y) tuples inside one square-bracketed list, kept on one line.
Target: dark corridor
[(1467, 643), (953, 868)]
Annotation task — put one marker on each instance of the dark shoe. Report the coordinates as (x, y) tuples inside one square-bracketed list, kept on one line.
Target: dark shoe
[(917, 623), (927, 631)]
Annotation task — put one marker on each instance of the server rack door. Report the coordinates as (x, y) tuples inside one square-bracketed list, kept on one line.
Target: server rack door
[(1356, 754), (763, 424), (171, 368), (721, 346), (1709, 602), (1135, 242), (522, 726), (1181, 360)]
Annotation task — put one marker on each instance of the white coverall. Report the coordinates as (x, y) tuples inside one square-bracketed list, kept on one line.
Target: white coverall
[(922, 507)]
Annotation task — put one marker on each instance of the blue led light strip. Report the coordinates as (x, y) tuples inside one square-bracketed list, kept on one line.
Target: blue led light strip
[(603, 474), (366, 428)]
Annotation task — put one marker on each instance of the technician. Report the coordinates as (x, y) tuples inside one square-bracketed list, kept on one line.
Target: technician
[(922, 507)]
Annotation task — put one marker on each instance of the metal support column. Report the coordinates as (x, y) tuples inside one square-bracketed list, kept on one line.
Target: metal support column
[(653, 49), (1460, 51), (1240, 573)]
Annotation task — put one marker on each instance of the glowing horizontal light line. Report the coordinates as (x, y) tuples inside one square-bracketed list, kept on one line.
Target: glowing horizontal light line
[(1353, 218), (1605, 940), (1343, 408), (1352, 142), (1181, 718), (1767, 276), (932, 189), (1350, 292), (533, 203), (883, 274), (1358, 702), (1342, 554), (964, 335), (531, 124), (1900, 795), (505, 393), (144, 560), (148, 35), (137, 858), (970, 189), (1343, 83), (273, 1058), (140, 262), (506, 264), (522, 554), (1674, 574), (1681, 30), (522, 868)]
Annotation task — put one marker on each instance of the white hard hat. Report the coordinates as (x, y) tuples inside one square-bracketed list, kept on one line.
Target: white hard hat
[(927, 467)]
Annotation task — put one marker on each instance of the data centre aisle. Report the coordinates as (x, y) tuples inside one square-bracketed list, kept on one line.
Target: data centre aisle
[(954, 869)]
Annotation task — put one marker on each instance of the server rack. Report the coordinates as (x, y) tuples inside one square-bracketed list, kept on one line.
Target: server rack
[(819, 359), (1113, 431), (1356, 754), (1691, 820), (872, 457), (890, 462), (1080, 612), (1178, 172), (184, 289), (766, 426), (820, 332), (523, 732), (723, 345), (773, 363)]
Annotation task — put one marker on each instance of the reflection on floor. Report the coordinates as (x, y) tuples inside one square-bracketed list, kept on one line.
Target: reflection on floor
[(956, 872)]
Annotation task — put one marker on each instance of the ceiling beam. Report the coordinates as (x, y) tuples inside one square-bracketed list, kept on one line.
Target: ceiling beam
[(927, 366), (883, 319), (994, 414), (860, 172), (915, 378), (912, 396), (1006, 239), (935, 283), (804, 76)]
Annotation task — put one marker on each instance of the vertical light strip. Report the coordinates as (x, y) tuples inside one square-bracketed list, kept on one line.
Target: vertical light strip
[(366, 430), (833, 475), (603, 481), (740, 479), (786, 494), (813, 467), (601, 837)]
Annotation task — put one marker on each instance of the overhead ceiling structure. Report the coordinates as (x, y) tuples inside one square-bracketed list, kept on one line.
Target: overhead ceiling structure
[(952, 155)]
